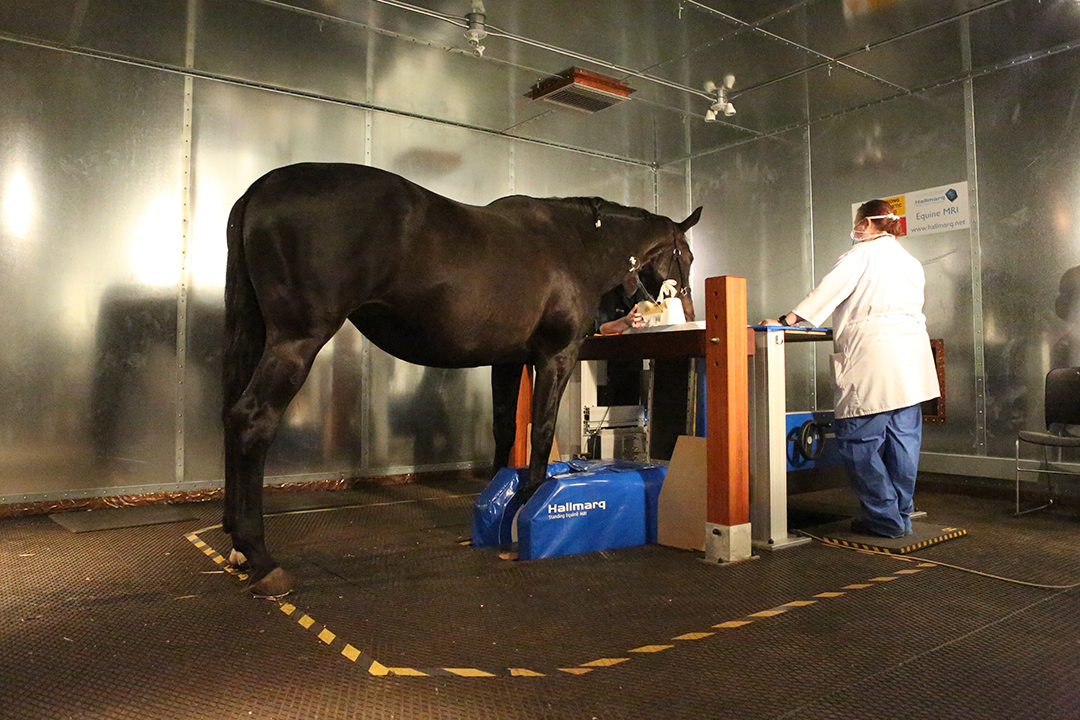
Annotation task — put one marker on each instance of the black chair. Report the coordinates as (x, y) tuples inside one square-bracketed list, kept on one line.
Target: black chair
[(1062, 410)]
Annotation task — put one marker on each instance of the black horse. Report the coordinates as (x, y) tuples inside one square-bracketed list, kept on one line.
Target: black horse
[(429, 280)]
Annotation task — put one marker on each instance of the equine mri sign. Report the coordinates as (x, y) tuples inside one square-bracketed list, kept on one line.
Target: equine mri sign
[(933, 210)]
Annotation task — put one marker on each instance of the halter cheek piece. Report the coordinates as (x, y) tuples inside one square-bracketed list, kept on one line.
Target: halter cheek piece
[(684, 289), (676, 254)]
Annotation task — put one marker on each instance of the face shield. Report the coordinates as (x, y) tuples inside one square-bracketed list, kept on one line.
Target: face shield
[(858, 236)]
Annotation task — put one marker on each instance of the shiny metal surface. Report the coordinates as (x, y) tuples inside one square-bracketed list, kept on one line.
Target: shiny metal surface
[(89, 243), (130, 28), (260, 43), (239, 134), (1029, 193), (756, 225), (545, 172), (897, 147), (837, 101)]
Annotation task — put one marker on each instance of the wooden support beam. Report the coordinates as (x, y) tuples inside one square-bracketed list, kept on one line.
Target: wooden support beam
[(727, 404)]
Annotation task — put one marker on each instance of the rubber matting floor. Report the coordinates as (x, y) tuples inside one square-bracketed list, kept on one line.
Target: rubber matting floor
[(141, 623)]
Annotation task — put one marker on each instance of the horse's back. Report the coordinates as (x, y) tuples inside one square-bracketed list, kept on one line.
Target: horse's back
[(330, 190)]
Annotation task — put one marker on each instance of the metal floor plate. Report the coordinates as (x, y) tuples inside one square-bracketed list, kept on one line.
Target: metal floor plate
[(396, 618)]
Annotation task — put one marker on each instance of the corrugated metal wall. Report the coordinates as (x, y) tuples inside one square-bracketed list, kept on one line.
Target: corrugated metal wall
[(781, 210), (127, 130), (117, 179)]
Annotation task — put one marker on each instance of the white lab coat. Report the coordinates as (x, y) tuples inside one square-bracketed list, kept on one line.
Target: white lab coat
[(882, 358)]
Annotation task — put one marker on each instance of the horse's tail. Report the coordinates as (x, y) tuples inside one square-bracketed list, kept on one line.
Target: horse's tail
[(245, 330)]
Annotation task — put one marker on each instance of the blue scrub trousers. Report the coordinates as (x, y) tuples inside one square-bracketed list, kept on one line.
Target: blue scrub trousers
[(881, 454)]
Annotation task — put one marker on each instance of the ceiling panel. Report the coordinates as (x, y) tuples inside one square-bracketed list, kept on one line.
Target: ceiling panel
[(833, 90), (914, 61), (837, 27), (793, 60), (1014, 29), (751, 57)]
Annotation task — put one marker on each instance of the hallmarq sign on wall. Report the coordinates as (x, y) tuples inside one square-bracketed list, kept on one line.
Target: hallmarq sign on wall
[(934, 210)]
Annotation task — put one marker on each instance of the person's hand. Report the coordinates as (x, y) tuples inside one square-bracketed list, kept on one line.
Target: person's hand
[(616, 327), (789, 318)]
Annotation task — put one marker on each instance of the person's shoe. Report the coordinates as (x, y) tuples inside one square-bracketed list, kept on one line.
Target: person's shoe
[(859, 527)]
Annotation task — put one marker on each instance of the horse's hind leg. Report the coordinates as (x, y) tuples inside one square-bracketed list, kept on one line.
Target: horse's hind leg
[(505, 385), (249, 429)]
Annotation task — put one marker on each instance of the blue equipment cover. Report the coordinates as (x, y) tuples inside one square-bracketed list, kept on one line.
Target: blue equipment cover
[(651, 475), (494, 510), (603, 506)]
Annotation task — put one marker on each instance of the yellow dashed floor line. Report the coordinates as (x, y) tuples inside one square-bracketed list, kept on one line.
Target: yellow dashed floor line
[(373, 667), (693, 636)]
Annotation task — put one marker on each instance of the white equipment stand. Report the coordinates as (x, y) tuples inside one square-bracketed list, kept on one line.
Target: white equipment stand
[(622, 429), (768, 434)]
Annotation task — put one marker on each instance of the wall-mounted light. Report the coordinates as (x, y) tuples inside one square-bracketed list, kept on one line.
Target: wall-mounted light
[(475, 28), (721, 104)]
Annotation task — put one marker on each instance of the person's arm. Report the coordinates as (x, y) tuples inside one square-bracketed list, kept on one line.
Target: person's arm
[(833, 289), (620, 325)]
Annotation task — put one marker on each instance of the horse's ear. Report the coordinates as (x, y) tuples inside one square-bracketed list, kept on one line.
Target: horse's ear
[(690, 221)]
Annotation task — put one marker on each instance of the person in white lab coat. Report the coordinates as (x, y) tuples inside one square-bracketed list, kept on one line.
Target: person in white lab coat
[(882, 365)]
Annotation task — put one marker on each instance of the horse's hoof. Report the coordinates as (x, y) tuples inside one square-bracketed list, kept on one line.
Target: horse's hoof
[(276, 583)]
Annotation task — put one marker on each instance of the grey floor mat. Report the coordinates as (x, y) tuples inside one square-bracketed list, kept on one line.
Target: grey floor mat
[(113, 518)]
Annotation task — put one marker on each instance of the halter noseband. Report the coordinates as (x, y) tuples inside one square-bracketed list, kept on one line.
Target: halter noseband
[(635, 264)]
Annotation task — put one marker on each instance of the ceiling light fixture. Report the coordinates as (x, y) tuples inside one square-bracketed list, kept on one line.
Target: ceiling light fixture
[(475, 28), (721, 104)]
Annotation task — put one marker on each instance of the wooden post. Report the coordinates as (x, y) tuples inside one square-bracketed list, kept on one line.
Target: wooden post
[(727, 517), (519, 454)]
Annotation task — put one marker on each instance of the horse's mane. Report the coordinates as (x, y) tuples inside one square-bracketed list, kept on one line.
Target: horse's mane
[(607, 207)]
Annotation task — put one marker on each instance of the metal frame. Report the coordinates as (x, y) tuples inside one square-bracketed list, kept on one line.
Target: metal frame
[(1044, 467), (768, 435)]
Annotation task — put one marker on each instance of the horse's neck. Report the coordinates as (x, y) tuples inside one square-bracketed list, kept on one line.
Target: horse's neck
[(621, 239)]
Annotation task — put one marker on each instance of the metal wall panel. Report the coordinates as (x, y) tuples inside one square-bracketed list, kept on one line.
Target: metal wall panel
[(548, 172), (630, 130), (456, 86), (240, 133), (1028, 139), (132, 28), (1014, 29), (673, 197), (280, 47), (89, 257), (897, 147), (756, 225)]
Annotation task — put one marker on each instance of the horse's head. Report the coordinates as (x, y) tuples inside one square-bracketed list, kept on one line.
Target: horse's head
[(671, 260)]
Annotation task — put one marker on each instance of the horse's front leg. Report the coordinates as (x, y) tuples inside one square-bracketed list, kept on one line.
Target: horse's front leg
[(505, 385), (552, 375)]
